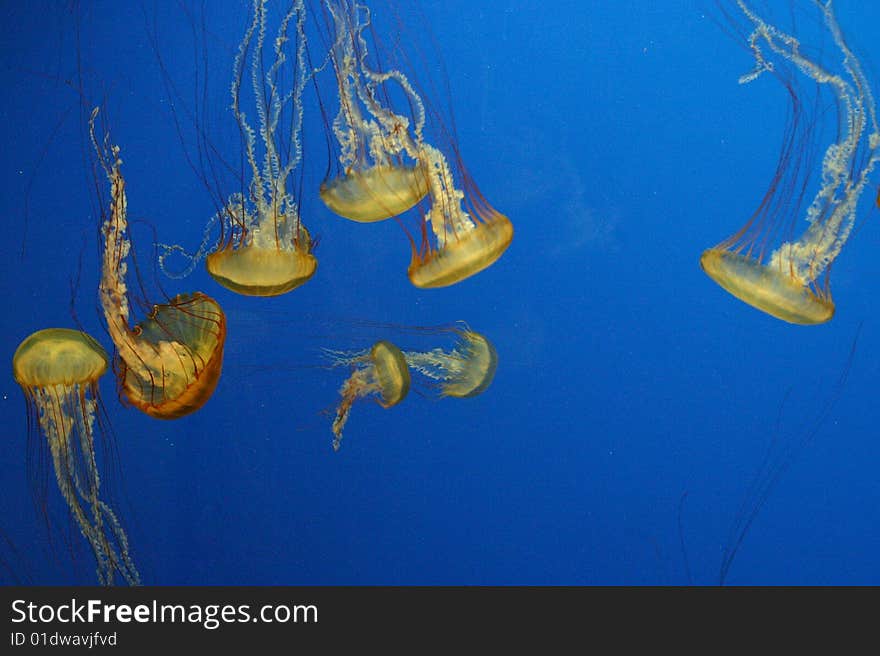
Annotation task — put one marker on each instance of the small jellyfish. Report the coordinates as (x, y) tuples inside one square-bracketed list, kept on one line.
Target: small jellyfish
[(465, 371), (58, 370), (380, 371), (388, 166), (169, 363), (791, 282), (263, 249)]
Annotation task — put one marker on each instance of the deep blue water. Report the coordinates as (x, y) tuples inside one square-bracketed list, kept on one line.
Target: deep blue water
[(634, 400)]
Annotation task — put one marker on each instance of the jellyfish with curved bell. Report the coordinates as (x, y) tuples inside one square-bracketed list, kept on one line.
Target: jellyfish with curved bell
[(169, 363), (380, 371), (263, 249), (388, 166), (465, 371), (791, 282), (58, 370), (380, 176)]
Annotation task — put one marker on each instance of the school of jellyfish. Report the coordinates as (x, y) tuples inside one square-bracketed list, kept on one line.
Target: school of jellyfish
[(384, 165), (168, 364)]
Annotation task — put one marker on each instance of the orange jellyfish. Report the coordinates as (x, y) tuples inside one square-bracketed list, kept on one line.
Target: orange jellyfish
[(379, 371), (263, 249), (168, 365), (790, 282), (465, 371), (58, 370), (387, 166)]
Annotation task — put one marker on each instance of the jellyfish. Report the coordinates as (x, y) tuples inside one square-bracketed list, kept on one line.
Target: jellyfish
[(387, 166), (465, 371), (58, 370), (263, 249), (381, 175), (168, 365), (791, 283), (381, 371)]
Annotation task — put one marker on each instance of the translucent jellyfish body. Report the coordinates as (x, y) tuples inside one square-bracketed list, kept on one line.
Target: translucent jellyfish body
[(375, 181), (170, 362), (465, 371), (58, 370), (263, 249), (791, 282), (380, 372)]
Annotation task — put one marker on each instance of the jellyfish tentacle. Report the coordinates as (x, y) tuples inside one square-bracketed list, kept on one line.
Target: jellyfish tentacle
[(61, 412)]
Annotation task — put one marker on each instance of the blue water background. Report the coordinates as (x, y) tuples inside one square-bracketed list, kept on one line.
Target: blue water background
[(616, 138)]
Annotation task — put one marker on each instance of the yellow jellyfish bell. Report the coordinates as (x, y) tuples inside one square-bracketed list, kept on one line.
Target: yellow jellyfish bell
[(381, 371), (786, 283), (465, 371), (388, 167), (58, 370), (170, 362)]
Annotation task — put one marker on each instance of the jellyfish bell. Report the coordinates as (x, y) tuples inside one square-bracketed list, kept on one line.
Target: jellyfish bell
[(58, 356), (770, 289), (387, 165), (58, 370), (380, 371), (262, 269), (392, 373), (465, 371), (168, 365), (478, 370), (791, 282), (171, 362), (263, 248), (367, 194)]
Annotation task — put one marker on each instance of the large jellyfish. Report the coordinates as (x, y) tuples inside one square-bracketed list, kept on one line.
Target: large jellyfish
[(465, 371), (380, 371), (264, 249), (788, 282), (169, 363), (58, 370), (387, 166)]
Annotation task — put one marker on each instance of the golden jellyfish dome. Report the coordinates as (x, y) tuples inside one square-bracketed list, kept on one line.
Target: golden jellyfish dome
[(253, 270), (766, 287), (467, 370), (375, 193), (462, 255), (58, 356), (392, 373), (475, 373), (173, 359)]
